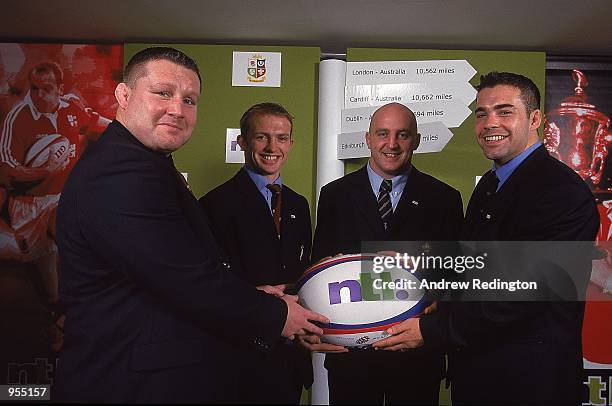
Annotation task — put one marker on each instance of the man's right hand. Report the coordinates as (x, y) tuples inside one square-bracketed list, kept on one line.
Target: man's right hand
[(299, 319), (313, 343)]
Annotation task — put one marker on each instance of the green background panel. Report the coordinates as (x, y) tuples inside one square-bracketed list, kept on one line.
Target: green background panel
[(222, 105), (462, 159)]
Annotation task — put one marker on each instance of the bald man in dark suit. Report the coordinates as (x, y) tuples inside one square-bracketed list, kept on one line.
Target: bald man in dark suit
[(419, 208)]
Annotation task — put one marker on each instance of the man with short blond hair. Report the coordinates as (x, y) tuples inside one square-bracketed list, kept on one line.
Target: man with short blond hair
[(263, 227)]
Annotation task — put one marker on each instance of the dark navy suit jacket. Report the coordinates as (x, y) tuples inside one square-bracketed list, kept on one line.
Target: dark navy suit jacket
[(347, 215), (520, 352), (242, 223), (152, 311)]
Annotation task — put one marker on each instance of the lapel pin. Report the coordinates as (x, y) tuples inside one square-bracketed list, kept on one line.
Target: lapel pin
[(293, 216), (415, 202), (488, 216)]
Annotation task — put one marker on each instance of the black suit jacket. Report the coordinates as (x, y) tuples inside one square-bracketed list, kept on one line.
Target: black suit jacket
[(520, 352), (152, 311), (242, 223), (347, 215)]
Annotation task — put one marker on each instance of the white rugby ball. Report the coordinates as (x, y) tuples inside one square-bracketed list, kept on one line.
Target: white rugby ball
[(360, 303), (52, 146)]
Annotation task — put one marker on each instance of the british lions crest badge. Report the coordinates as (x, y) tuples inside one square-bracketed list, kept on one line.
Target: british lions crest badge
[(257, 69)]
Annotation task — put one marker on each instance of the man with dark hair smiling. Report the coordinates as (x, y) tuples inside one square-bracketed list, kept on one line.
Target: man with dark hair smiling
[(516, 352), (152, 311)]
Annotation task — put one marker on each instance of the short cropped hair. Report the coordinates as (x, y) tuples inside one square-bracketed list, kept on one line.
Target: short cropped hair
[(530, 95), (48, 67), (263, 109), (135, 68)]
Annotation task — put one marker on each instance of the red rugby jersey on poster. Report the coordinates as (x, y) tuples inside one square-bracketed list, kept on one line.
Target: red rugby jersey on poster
[(24, 125)]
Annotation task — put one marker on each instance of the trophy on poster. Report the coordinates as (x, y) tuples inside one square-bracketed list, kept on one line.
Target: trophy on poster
[(579, 135)]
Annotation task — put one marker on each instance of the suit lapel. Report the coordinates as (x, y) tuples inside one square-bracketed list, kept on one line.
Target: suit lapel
[(365, 202), (192, 210), (408, 205), (477, 226), (521, 174), (288, 217), (475, 217), (252, 197)]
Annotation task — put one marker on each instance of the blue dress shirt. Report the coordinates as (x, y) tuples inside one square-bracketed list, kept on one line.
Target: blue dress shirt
[(503, 172), (260, 182)]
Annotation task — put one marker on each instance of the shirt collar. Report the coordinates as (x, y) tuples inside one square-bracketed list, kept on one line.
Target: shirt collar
[(503, 172), (260, 180), (397, 182), (35, 112)]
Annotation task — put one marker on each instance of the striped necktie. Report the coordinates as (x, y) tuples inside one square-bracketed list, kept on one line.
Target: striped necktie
[(276, 206), (385, 209)]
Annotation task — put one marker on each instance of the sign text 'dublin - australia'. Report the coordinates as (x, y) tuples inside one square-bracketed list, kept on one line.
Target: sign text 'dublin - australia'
[(452, 113)]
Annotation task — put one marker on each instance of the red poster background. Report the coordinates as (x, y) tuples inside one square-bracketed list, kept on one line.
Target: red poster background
[(30, 319), (578, 132)]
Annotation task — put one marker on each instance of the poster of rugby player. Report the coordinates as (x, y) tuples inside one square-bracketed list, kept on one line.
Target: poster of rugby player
[(578, 131), (55, 100)]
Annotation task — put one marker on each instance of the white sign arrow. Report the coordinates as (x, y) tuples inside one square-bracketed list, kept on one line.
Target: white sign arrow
[(352, 145), (378, 95), (373, 73), (452, 113), (434, 137)]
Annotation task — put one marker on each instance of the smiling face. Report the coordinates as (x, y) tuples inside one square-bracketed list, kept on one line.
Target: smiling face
[(504, 129), (392, 138), (267, 144), (160, 109)]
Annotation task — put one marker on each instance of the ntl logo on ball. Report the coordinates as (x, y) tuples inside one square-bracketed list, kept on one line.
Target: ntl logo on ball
[(363, 289), (360, 305)]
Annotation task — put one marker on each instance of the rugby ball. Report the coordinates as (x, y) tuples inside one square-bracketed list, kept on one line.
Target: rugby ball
[(360, 303), (51, 147)]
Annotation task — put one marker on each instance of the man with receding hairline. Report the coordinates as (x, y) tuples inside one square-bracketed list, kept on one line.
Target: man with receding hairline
[(152, 310), (386, 200)]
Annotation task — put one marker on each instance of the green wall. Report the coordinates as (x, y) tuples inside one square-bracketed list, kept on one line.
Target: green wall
[(222, 105), (461, 160)]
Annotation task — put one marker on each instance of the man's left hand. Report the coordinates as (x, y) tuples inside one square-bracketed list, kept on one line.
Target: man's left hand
[(275, 290), (404, 335)]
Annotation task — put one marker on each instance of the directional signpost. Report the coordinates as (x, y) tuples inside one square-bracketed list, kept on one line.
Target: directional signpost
[(378, 95), (452, 113), (434, 136), (367, 73), (437, 91)]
